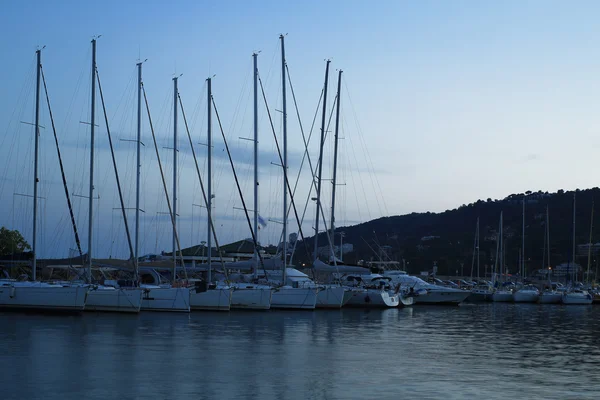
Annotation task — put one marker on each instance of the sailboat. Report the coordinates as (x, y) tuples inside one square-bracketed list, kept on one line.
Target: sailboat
[(102, 297), (158, 294), (34, 294), (479, 293), (205, 295), (575, 295), (501, 294), (527, 293), (549, 295), (294, 289), (247, 294), (331, 295)]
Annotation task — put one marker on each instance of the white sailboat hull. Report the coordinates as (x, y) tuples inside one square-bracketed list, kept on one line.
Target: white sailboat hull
[(577, 298), (331, 297), (251, 297), (526, 296), (41, 296), (550, 298), (502, 297), (295, 298), (157, 298), (373, 298), (114, 299), (218, 299)]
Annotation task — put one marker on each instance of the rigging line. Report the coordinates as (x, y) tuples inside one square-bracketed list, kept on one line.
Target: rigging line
[(287, 182), (62, 169), (370, 160), (165, 189), (306, 141), (239, 189), (114, 160), (210, 220), (306, 154)]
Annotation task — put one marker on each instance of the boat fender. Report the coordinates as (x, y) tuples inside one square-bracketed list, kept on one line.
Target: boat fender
[(367, 299), (12, 292)]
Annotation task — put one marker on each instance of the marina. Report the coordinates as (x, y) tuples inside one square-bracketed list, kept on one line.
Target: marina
[(299, 200)]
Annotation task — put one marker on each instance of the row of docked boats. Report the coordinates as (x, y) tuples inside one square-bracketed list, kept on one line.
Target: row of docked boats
[(531, 294), (155, 294)]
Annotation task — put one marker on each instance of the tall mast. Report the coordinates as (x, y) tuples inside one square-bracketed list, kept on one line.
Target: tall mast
[(35, 165), (548, 234), (335, 153), (478, 235), (138, 169), (91, 194), (320, 166), (174, 170), (284, 166), (573, 251), (255, 59), (209, 180), (587, 276), (523, 245), (501, 247)]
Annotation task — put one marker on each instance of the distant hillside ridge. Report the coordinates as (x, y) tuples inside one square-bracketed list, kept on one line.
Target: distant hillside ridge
[(418, 240)]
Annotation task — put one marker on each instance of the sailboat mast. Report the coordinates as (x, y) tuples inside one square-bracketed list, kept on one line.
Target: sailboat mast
[(138, 169), (209, 180), (255, 59), (335, 154), (174, 171), (501, 247), (284, 166), (478, 234), (548, 234), (573, 250), (320, 166), (35, 163), (523, 245), (91, 193), (590, 244)]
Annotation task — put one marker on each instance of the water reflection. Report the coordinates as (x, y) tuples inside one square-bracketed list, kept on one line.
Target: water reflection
[(487, 351)]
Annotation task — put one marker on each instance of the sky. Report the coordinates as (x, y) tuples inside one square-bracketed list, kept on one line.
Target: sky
[(442, 104)]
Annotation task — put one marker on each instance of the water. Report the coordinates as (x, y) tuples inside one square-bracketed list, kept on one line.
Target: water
[(473, 351)]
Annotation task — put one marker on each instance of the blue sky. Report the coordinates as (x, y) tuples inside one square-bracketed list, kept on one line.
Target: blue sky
[(443, 103)]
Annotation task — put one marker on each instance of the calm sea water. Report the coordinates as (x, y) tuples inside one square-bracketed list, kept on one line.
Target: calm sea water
[(476, 351)]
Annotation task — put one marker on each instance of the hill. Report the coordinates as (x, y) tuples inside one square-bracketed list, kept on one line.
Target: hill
[(447, 238)]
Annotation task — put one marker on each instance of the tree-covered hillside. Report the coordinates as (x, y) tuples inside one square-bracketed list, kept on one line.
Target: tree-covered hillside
[(420, 239)]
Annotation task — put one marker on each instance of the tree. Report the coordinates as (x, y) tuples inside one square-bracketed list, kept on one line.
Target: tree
[(12, 242)]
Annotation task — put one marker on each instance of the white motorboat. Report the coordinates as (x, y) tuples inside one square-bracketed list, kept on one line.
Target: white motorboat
[(109, 298), (550, 297), (210, 297), (527, 294), (42, 296), (426, 293), (577, 297), (502, 296)]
